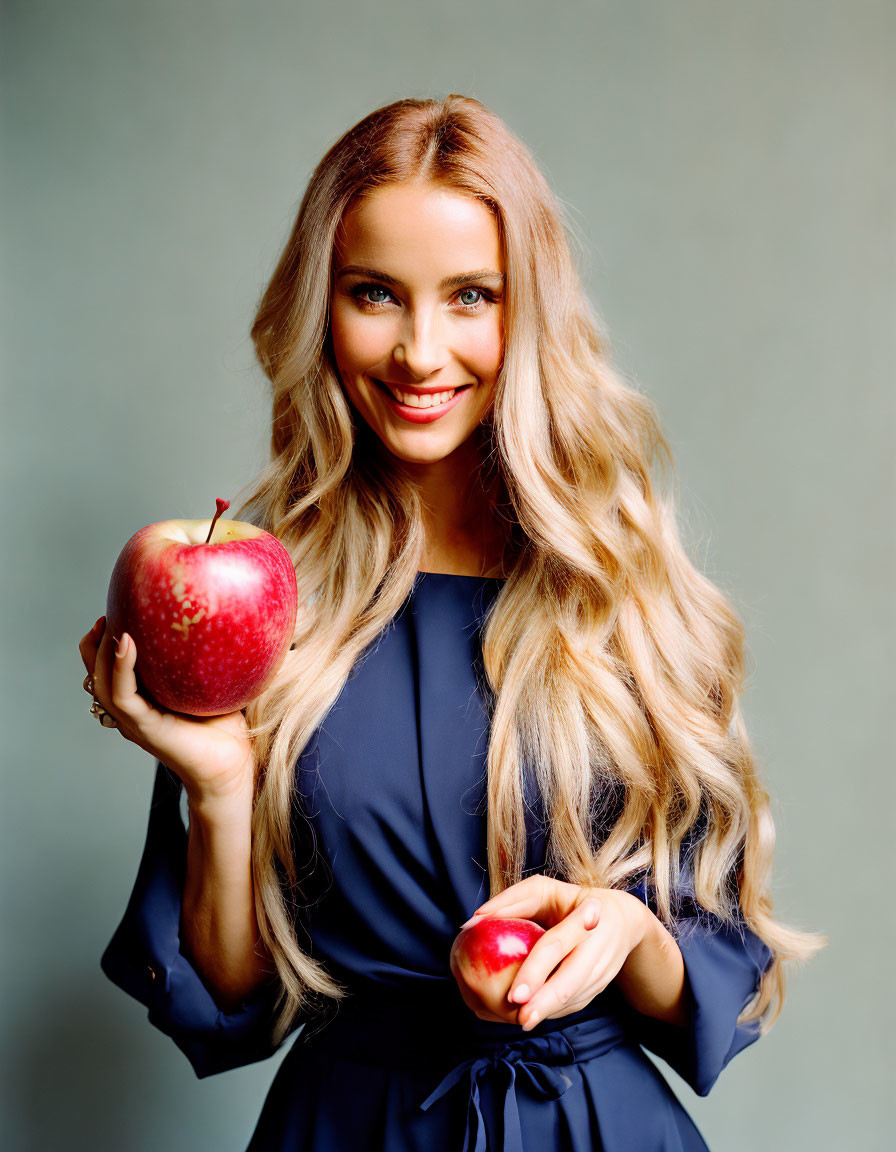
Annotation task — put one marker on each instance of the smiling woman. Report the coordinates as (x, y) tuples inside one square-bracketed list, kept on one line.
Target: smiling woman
[(509, 690)]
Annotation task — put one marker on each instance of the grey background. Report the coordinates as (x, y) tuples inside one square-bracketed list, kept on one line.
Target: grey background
[(730, 170)]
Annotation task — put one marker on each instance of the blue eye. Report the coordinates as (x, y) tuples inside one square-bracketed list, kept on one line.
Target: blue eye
[(361, 290), (465, 290)]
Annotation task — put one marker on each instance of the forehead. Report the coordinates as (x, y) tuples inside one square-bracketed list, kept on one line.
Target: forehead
[(405, 227)]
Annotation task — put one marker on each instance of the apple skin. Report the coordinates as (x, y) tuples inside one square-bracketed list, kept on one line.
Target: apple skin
[(211, 621), (488, 954)]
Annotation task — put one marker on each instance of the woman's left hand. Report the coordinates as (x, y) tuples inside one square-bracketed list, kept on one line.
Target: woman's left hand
[(589, 935)]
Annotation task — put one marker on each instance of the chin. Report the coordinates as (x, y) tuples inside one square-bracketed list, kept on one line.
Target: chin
[(431, 452)]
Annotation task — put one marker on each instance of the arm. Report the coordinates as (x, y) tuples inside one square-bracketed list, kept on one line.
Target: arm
[(218, 922), (146, 957), (723, 964), (213, 758)]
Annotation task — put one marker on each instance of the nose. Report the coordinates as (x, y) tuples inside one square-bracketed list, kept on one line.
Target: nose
[(420, 349)]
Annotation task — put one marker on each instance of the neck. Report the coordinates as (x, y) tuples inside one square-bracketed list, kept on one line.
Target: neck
[(461, 536)]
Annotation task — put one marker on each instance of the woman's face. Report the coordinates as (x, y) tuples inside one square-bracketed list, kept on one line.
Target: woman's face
[(417, 307)]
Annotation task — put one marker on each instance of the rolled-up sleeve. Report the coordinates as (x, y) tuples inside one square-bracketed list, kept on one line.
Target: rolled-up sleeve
[(723, 964), (144, 956)]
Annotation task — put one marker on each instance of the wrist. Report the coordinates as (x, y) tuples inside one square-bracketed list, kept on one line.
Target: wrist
[(220, 806), (652, 977), (640, 920)]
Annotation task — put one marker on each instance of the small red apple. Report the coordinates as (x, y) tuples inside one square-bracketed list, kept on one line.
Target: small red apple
[(212, 619), (488, 954)]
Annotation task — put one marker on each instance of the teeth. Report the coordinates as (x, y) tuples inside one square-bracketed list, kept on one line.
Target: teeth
[(414, 401)]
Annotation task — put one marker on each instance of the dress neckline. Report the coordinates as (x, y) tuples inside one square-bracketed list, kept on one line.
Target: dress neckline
[(460, 576)]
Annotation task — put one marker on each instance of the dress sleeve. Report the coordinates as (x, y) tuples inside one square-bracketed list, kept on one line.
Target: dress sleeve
[(723, 965), (144, 957)]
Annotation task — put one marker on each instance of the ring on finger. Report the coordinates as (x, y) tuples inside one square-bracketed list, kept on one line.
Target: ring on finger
[(105, 718)]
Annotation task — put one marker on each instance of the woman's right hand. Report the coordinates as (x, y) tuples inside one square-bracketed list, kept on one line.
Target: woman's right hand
[(211, 754)]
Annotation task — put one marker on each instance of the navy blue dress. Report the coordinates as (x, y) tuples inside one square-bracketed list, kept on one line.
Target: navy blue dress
[(392, 784)]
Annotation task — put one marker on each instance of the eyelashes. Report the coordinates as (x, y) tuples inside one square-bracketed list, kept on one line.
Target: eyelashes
[(359, 291)]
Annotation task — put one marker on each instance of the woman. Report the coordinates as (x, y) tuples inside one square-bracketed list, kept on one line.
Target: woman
[(507, 680)]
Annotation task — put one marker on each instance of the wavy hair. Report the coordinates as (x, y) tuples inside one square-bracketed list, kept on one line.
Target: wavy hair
[(614, 667)]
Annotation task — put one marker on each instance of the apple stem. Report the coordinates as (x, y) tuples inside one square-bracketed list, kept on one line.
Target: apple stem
[(223, 505)]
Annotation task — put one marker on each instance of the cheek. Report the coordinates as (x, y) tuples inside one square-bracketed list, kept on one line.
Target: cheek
[(356, 344), (485, 349)]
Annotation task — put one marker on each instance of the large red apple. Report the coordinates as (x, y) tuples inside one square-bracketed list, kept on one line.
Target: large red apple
[(488, 954), (211, 606)]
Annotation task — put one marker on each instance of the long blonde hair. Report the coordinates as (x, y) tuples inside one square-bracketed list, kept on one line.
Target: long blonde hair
[(613, 666)]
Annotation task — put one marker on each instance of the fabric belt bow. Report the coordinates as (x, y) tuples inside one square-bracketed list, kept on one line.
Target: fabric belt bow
[(537, 1064)]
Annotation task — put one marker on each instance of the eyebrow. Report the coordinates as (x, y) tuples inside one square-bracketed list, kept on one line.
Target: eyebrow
[(450, 282)]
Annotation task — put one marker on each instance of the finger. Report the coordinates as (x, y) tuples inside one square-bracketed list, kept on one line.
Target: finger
[(567, 990), (88, 644), (549, 950), (534, 896), (125, 696), (480, 1009), (521, 893), (103, 666)]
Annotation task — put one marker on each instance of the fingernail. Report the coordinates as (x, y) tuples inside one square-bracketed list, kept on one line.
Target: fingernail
[(471, 921), (530, 1023), (521, 993), (121, 646)]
